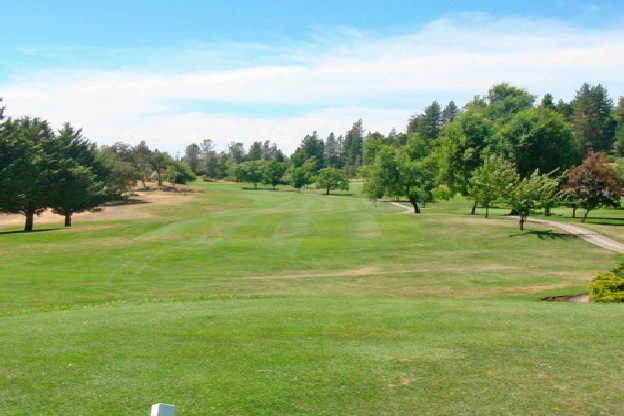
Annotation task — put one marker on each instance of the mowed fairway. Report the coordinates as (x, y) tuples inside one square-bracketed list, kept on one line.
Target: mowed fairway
[(243, 302)]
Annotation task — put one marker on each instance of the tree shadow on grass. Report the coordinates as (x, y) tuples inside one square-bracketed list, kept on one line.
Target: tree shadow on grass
[(542, 235), (247, 188), (41, 230), (130, 201)]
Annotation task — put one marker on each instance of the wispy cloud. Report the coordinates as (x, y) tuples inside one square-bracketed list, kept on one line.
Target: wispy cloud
[(341, 76)]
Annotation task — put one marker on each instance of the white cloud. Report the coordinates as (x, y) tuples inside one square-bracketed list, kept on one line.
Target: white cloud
[(346, 76)]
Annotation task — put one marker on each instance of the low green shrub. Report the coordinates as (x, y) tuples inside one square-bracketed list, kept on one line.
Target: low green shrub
[(608, 287)]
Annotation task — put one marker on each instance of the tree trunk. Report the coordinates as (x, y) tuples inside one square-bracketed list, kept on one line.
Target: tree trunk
[(521, 223), (573, 212), (473, 211), (487, 212), (159, 178), (28, 227), (327, 191), (143, 182), (585, 215), (415, 205), (68, 218), (547, 211)]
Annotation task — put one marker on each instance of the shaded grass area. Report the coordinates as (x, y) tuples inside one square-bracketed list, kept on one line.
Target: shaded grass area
[(245, 302)]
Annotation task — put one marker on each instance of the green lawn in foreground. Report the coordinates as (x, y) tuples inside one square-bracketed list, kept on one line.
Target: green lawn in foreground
[(261, 302)]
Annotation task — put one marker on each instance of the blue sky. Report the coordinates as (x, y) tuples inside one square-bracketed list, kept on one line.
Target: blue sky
[(176, 72)]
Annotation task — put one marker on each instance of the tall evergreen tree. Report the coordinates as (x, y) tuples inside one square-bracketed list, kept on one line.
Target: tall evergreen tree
[(255, 151), (592, 123), (311, 147), (79, 182), (547, 102), (618, 116), (449, 112), (332, 156), (427, 124), (236, 152), (192, 157), (27, 171), (353, 146), (565, 109)]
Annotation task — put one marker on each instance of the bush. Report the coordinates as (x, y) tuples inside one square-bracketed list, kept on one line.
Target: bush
[(178, 173), (442, 193), (608, 287)]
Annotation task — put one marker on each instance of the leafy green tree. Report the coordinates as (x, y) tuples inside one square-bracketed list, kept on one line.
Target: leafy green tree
[(593, 184), (301, 176), (528, 194), (118, 175), (537, 138), (550, 194), (27, 171), (504, 100), (273, 172), (159, 161), (442, 192), (332, 178), (592, 122), (371, 145), (402, 171), (461, 148), (251, 171), (178, 173), (489, 181)]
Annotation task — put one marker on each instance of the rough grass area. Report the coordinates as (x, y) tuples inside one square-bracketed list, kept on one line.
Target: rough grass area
[(259, 302)]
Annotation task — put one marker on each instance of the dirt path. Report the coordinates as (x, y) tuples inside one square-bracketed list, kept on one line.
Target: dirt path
[(587, 235), (131, 210)]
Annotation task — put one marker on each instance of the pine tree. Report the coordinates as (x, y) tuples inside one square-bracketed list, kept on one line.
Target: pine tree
[(353, 144), (618, 116), (547, 102), (592, 123), (331, 152), (427, 124), (449, 112), (27, 171)]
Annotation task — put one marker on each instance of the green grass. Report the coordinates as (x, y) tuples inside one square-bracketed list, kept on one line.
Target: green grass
[(262, 302)]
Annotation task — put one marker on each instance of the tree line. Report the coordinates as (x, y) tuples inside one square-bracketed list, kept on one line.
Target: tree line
[(441, 152), (507, 149), (61, 170)]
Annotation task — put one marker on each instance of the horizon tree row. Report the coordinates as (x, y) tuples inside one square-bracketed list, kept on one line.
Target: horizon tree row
[(62, 171)]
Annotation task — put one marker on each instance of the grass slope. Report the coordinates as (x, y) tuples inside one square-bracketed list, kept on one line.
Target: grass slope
[(260, 302)]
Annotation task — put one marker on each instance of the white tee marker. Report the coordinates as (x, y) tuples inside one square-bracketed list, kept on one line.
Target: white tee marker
[(160, 409)]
